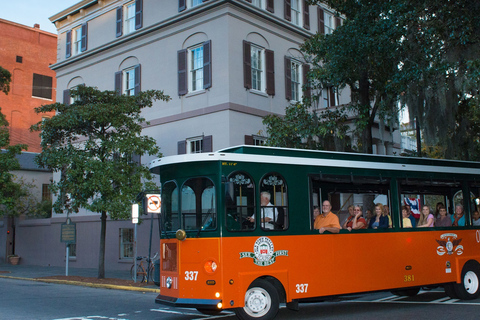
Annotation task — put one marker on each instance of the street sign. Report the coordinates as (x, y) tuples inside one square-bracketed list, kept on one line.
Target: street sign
[(135, 213), (68, 233), (154, 203)]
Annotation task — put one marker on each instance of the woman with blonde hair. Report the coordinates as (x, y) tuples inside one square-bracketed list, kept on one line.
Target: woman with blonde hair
[(379, 221), (426, 218)]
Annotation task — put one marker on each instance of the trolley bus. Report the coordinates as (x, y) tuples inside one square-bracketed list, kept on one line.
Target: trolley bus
[(219, 252)]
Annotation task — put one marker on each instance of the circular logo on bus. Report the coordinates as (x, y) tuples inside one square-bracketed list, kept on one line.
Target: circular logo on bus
[(263, 249)]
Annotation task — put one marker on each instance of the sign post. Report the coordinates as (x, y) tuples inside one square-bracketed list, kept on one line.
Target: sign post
[(68, 235), (135, 222), (154, 205)]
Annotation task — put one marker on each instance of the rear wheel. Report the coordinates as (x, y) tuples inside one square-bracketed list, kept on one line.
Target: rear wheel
[(141, 277), (261, 301), (468, 289)]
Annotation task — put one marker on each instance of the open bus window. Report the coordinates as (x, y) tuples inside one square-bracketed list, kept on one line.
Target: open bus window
[(240, 202), (198, 204), (349, 191), (170, 206), (274, 204), (475, 205), (416, 193)]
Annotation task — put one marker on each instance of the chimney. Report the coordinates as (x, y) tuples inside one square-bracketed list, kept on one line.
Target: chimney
[(36, 26)]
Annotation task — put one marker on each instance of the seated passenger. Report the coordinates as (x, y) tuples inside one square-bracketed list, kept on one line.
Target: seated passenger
[(379, 221), (327, 221), (386, 212), (410, 216), (443, 220), (476, 218), (355, 221), (268, 214), (406, 222), (458, 219), (426, 218)]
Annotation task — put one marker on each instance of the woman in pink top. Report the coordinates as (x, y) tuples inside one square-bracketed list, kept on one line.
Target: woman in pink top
[(426, 218)]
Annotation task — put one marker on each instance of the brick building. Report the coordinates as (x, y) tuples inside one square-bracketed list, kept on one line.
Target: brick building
[(27, 53)]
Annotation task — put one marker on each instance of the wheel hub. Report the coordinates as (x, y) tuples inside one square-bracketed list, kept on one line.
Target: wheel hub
[(471, 282)]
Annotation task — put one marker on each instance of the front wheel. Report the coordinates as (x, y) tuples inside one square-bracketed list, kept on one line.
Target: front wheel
[(261, 302), (468, 289), (141, 276)]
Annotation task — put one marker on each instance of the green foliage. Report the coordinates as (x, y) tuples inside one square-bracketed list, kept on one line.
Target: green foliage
[(93, 143), (5, 79)]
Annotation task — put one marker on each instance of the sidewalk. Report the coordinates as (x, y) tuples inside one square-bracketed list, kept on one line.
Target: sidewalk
[(38, 273)]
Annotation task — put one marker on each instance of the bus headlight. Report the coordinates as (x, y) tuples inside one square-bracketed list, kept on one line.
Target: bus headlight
[(180, 234), (169, 282), (210, 266)]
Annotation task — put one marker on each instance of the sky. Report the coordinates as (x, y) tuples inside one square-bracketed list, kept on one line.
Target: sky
[(29, 12)]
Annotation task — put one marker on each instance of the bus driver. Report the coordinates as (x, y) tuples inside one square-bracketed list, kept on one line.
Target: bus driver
[(327, 221)]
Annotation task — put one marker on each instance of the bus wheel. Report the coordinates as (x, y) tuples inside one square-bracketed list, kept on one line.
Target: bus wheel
[(450, 290), (469, 288), (411, 292), (261, 301)]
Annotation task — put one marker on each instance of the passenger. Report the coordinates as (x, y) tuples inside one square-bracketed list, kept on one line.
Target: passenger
[(458, 219), (386, 212), (268, 217), (350, 210), (426, 218), (369, 216), (476, 218), (413, 222), (327, 221), (379, 221), (316, 212), (437, 208), (355, 221), (443, 220), (406, 222)]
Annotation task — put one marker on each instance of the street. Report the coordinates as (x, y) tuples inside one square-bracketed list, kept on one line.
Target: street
[(21, 299)]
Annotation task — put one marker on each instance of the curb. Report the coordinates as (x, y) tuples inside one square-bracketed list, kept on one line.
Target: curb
[(85, 284)]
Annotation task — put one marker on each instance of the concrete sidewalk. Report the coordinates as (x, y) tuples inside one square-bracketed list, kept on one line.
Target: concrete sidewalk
[(35, 273)]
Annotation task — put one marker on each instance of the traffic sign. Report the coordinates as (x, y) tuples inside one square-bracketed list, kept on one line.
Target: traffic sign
[(135, 213), (154, 203)]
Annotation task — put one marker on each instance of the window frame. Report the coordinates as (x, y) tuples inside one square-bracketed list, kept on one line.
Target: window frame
[(195, 67), (258, 68), (128, 81), (240, 178), (42, 86), (123, 243)]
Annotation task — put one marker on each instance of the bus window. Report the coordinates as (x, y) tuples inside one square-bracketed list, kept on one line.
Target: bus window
[(346, 191), (274, 204), (475, 205), (170, 206), (240, 202), (417, 193), (198, 204)]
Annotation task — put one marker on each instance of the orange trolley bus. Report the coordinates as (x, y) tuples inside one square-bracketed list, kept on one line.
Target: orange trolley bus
[(223, 247)]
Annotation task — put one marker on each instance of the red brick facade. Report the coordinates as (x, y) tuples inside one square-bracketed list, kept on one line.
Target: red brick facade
[(25, 51)]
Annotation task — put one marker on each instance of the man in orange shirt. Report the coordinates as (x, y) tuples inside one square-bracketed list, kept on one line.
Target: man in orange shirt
[(327, 221)]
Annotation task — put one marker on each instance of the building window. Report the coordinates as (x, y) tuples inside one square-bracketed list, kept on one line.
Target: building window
[(258, 68), (126, 243), (296, 14), (295, 68), (42, 86), (76, 41), (129, 17), (259, 140), (72, 250), (127, 81), (295, 78), (328, 97), (46, 195), (195, 145), (195, 68), (329, 23), (194, 3), (19, 59)]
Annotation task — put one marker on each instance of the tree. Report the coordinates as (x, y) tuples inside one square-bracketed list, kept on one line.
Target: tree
[(10, 191), (95, 143)]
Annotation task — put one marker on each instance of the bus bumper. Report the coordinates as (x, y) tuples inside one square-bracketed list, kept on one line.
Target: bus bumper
[(188, 303)]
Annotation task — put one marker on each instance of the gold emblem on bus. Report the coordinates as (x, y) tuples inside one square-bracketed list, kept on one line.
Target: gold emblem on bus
[(449, 244), (263, 253)]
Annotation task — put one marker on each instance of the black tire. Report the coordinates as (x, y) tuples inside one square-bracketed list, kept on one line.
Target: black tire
[(151, 273), (210, 312), (261, 302), (450, 290), (410, 292), (140, 276), (469, 288)]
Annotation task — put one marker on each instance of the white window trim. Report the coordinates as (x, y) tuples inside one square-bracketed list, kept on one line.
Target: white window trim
[(128, 74), (191, 69), (329, 22), (259, 140), (298, 83), (262, 69), (294, 11), (129, 21), (259, 4), (76, 40), (194, 140)]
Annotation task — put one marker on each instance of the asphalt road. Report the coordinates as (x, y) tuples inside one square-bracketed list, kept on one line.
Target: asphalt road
[(21, 299)]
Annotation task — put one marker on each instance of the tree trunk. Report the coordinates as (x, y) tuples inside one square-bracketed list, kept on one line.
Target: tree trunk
[(101, 256)]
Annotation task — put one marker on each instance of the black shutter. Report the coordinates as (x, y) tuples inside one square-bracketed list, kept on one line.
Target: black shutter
[(138, 14), (321, 21), (182, 147), (207, 64), (118, 82), (138, 79), (270, 72), (68, 48), (306, 15), (182, 5), (249, 140), (207, 144), (288, 78), (288, 10), (270, 6), (338, 22), (306, 83), (66, 97), (332, 96), (119, 21), (247, 65), (84, 37), (182, 72)]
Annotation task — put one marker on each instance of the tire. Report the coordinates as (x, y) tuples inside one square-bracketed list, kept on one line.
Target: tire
[(450, 291), (140, 277), (261, 301), (410, 292), (151, 273), (469, 288), (210, 312)]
